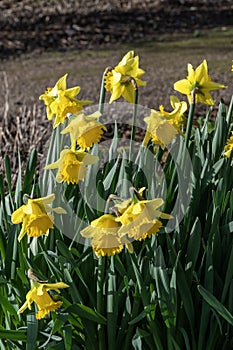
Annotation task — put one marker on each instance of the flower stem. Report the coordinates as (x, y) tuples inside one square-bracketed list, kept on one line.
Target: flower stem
[(133, 130), (189, 123), (100, 300), (103, 90)]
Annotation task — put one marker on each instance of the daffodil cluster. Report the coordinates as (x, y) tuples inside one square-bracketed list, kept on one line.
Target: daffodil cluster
[(84, 131), (132, 219), (36, 221)]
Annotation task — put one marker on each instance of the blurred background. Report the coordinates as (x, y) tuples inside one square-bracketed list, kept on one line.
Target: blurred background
[(42, 40)]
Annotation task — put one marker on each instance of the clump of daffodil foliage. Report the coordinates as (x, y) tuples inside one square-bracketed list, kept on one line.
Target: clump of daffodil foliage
[(131, 247)]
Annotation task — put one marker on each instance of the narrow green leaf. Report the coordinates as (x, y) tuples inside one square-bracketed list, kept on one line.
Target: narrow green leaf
[(229, 276), (111, 175), (67, 335), (86, 312), (213, 302), (17, 335), (8, 173), (32, 332), (194, 244), (205, 310), (167, 307), (112, 305), (30, 172), (59, 322), (6, 304)]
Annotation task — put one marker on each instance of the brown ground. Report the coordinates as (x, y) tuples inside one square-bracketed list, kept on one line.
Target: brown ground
[(39, 43)]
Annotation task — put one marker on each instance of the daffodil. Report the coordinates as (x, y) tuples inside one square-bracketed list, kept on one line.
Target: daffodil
[(229, 147), (198, 83), (72, 165), (175, 117), (104, 234), (140, 219), (34, 216), (119, 80), (60, 101), (159, 129), (39, 295), (85, 130)]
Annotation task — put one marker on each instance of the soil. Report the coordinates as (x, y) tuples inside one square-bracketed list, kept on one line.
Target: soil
[(42, 40), (28, 25)]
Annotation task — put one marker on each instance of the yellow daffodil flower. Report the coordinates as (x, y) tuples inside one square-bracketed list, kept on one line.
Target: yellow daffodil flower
[(59, 101), (104, 234), (140, 219), (229, 147), (175, 117), (198, 83), (118, 81), (72, 165), (85, 130), (159, 129), (39, 295), (34, 216)]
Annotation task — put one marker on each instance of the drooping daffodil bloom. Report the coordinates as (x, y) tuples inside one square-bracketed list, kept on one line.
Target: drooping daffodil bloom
[(229, 147), (60, 101), (72, 165), (39, 295), (120, 81), (176, 116), (140, 219), (85, 130), (198, 84), (104, 234), (159, 129), (35, 216)]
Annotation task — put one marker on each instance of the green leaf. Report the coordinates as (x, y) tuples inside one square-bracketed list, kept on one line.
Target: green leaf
[(6, 304), (166, 302), (32, 332), (67, 334), (114, 144), (220, 134), (18, 187), (147, 311), (229, 276), (17, 335), (213, 302), (111, 175), (59, 322), (30, 172), (88, 313), (8, 172), (194, 244), (112, 306), (205, 310)]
